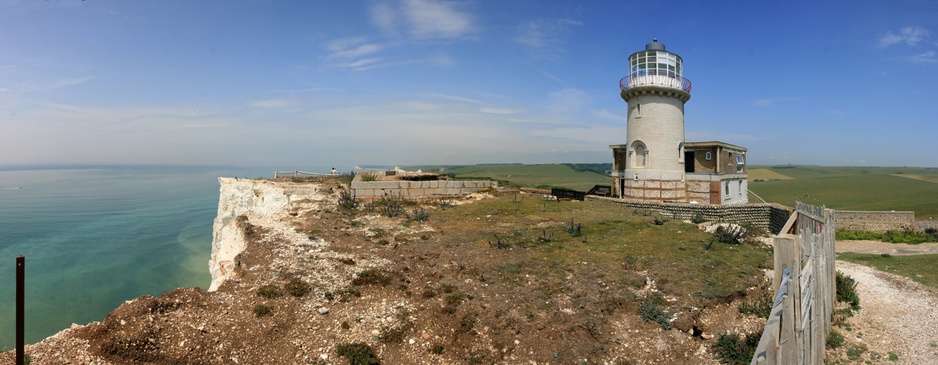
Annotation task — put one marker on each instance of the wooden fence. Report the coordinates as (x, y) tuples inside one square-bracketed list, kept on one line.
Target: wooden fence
[(800, 320)]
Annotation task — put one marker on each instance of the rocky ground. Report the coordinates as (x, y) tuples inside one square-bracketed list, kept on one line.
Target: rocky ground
[(323, 286)]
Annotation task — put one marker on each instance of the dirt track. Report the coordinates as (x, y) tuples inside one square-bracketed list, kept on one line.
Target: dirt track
[(897, 316)]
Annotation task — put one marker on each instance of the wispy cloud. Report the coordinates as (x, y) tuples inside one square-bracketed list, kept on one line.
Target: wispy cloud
[(499, 111), (767, 102), (269, 103), (68, 82), (546, 35), (927, 57), (911, 35), (423, 19)]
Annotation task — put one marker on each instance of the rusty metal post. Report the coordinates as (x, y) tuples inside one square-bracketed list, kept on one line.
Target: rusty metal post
[(20, 312)]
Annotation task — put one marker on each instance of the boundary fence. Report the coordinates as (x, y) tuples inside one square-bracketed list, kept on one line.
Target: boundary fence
[(800, 320)]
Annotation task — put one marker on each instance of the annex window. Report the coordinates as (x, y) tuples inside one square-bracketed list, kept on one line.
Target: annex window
[(739, 163), (709, 156)]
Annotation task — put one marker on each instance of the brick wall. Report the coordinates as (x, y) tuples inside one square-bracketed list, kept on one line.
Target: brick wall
[(771, 217)]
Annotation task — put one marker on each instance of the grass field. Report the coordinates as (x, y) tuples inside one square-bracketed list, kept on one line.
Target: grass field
[(916, 267), (853, 188)]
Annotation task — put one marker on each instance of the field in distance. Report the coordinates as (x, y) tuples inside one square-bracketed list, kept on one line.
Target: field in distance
[(848, 188), (581, 177)]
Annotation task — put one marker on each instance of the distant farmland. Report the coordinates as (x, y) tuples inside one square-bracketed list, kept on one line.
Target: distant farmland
[(848, 188)]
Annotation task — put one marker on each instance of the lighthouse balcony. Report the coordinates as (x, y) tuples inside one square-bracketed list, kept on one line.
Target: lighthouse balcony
[(633, 81)]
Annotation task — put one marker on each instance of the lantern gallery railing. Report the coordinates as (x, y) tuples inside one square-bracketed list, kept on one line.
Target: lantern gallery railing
[(654, 80)]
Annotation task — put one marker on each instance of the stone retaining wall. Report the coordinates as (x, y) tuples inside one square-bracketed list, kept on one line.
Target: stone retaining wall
[(366, 189), (874, 221), (771, 217)]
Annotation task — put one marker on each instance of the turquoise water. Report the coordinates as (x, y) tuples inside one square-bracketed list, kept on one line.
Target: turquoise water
[(95, 237)]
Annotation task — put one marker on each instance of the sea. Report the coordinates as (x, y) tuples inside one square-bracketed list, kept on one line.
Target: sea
[(96, 236)]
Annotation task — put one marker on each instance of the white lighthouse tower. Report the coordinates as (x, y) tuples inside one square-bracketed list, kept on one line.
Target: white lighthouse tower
[(656, 164)]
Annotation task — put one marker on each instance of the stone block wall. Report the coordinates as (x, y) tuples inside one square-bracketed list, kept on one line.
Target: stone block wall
[(366, 189), (771, 217), (922, 224), (874, 221)]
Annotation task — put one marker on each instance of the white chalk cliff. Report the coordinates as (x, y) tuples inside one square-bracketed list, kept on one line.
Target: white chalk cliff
[(263, 202)]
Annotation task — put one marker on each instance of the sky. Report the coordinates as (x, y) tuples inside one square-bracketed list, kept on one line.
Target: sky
[(405, 82)]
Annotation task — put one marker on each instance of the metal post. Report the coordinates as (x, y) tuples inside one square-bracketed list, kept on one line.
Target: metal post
[(20, 313)]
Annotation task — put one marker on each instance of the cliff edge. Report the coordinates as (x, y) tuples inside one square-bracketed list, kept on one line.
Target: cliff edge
[(485, 278)]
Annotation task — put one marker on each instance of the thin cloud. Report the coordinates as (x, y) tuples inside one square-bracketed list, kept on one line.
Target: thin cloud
[(270, 103), (423, 19), (911, 36), (927, 57), (499, 111), (455, 98), (66, 83), (548, 35)]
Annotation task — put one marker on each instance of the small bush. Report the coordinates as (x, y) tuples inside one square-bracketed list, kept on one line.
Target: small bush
[(574, 229), (835, 340), (847, 291), (728, 235), (732, 349), (698, 218), (357, 354), (369, 176), (262, 310), (269, 292), (499, 243), (436, 349), (371, 277), (297, 287), (419, 214), (659, 220), (347, 200), (760, 307), (648, 308)]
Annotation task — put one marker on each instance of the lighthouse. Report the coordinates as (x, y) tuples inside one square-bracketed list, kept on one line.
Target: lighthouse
[(655, 163)]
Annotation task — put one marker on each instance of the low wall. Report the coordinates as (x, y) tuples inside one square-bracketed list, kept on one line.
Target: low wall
[(365, 189), (771, 217), (922, 224), (874, 221)]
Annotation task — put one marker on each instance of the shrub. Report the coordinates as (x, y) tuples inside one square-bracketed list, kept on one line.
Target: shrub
[(847, 291), (698, 218), (262, 310), (372, 276), (735, 350), (760, 307), (269, 292), (357, 354), (574, 229), (369, 176), (728, 234), (659, 220), (835, 340), (297, 287), (419, 214), (347, 200), (648, 308)]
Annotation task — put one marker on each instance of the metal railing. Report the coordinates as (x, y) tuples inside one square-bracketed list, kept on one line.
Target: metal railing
[(655, 80)]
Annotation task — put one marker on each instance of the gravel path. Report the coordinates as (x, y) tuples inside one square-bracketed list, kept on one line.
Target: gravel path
[(877, 247), (897, 315)]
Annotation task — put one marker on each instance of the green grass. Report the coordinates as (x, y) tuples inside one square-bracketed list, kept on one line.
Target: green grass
[(617, 240), (916, 267), (580, 177), (854, 188)]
